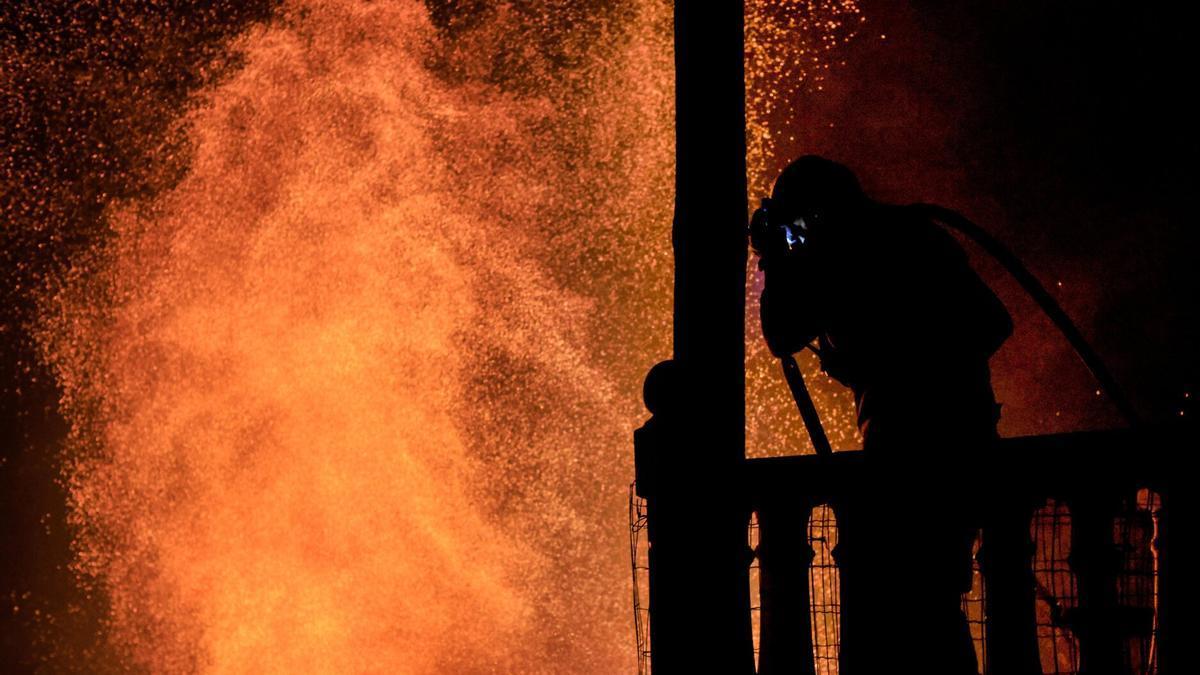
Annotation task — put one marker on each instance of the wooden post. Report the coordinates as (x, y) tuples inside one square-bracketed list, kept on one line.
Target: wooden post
[(698, 514)]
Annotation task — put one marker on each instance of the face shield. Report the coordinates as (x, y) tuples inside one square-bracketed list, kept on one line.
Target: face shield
[(776, 234)]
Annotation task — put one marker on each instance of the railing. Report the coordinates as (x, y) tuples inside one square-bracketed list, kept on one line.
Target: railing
[(1072, 573)]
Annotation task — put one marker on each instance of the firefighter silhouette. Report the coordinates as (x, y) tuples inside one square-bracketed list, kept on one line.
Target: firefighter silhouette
[(899, 317)]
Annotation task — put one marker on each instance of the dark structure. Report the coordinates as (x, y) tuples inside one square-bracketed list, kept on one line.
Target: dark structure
[(692, 526), (701, 492)]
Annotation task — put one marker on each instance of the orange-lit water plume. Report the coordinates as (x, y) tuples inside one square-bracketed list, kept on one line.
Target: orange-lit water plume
[(339, 399), (355, 395), (792, 47)]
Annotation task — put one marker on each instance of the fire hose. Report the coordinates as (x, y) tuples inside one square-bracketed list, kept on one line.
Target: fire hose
[(1032, 287)]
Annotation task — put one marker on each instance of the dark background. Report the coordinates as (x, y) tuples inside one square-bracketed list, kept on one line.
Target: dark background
[(1065, 129)]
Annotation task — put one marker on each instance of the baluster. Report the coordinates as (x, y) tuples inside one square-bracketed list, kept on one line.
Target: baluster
[(860, 607), (1135, 588), (1095, 560), (1006, 561), (784, 557), (1165, 653)]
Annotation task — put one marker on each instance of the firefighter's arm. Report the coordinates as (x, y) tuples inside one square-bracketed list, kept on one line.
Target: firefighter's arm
[(789, 318)]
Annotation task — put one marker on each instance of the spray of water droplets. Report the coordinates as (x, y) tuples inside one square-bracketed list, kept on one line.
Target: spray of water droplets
[(791, 47), (353, 393)]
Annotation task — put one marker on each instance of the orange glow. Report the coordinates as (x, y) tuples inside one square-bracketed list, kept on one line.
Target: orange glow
[(339, 400), (791, 46), (356, 394)]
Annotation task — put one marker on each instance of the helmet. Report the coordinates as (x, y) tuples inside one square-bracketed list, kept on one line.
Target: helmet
[(814, 187), (806, 194)]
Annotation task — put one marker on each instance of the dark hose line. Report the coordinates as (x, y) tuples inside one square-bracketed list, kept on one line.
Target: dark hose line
[(1042, 297)]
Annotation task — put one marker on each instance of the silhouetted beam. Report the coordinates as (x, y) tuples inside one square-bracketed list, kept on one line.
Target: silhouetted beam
[(1047, 464), (709, 233), (699, 587)]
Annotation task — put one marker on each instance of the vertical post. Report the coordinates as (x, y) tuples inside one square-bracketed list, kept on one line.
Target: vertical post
[(1006, 559), (858, 652), (784, 559), (1095, 560), (709, 233), (700, 607), (1164, 643)]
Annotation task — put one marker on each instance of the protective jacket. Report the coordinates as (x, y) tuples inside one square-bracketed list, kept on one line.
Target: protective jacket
[(901, 319)]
